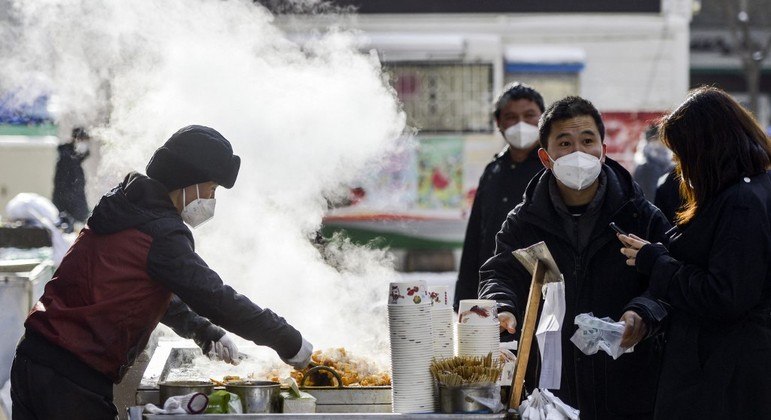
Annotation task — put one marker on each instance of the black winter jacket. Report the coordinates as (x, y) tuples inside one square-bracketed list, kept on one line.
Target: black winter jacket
[(597, 280), (500, 189), (70, 183), (717, 278)]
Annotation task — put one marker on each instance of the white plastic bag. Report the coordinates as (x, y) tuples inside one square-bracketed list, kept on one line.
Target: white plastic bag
[(596, 334), (31, 207), (491, 399), (543, 405), (549, 335), (193, 403), (40, 211)]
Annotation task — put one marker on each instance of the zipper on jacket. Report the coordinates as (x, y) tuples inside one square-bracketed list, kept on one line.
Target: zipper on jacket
[(578, 274), (579, 260), (577, 268)]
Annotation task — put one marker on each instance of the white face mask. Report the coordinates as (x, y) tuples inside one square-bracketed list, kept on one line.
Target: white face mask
[(199, 210), (577, 170), (81, 147), (521, 135)]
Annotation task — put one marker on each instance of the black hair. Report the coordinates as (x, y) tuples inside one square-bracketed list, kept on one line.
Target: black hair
[(516, 91), (565, 109), (80, 133)]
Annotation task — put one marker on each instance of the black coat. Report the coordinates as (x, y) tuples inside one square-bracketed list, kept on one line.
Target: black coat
[(597, 280), (70, 183), (717, 278), (500, 189)]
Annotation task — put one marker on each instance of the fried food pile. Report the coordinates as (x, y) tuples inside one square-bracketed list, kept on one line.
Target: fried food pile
[(227, 379), (354, 371)]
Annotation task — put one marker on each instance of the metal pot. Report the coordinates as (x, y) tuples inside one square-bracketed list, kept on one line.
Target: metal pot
[(171, 388), (461, 399), (257, 396)]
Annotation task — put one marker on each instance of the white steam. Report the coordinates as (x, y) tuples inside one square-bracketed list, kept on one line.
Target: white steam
[(305, 120)]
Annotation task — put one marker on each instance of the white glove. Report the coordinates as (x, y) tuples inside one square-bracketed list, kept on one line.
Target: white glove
[(194, 403), (225, 349), (303, 357)]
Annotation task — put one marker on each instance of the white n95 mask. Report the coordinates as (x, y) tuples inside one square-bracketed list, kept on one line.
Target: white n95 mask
[(199, 210), (577, 170), (521, 135)]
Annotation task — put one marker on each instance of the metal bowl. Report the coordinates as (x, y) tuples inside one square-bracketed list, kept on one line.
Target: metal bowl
[(171, 388), (257, 396)]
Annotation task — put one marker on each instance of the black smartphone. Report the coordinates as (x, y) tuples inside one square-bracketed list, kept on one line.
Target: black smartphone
[(615, 227)]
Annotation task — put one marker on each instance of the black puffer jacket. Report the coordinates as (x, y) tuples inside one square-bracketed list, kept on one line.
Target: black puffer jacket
[(597, 280)]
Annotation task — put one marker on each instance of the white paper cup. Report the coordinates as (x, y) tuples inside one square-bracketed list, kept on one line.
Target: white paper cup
[(477, 312), (408, 293), (439, 297)]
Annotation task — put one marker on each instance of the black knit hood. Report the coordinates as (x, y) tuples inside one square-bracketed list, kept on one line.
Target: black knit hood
[(136, 201)]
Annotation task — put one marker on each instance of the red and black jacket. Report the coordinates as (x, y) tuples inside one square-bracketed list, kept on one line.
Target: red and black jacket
[(119, 278)]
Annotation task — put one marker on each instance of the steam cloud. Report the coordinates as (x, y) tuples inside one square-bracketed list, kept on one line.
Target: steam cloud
[(305, 120)]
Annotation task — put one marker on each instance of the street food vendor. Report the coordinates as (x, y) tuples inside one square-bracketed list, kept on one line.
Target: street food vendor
[(132, 266)]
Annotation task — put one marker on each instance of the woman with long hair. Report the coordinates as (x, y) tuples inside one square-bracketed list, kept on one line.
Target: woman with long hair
[(715, 273)]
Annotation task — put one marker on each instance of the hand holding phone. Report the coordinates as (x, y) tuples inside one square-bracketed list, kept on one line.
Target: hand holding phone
[(615, 227)]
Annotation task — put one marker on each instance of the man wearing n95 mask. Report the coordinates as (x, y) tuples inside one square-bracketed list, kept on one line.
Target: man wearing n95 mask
[(569, 206), (132, 266), (502, 183)]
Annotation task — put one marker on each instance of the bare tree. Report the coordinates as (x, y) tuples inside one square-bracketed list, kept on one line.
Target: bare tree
[(751, 50)]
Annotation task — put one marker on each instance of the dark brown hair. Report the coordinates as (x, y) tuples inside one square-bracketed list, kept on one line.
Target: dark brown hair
[(716, 142)]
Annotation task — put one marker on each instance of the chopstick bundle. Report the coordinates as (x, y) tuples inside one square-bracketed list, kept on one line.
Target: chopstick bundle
[(465, 370)]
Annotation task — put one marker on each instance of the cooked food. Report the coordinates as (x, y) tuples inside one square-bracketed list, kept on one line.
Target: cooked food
[(226, 380), (354, 371)]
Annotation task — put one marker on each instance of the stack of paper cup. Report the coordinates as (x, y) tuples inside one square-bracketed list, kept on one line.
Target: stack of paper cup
[(478, 328), (441, 322), (409, 323)]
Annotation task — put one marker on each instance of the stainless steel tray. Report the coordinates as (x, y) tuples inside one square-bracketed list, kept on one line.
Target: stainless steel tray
[(172, 359), (351, 416), (351, 395)]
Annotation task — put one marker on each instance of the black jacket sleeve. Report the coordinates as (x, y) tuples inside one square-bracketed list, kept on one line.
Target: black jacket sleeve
[(731, 281), (652, 310), (188, 324), (173, 262), (502, 277), (467, 286)]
